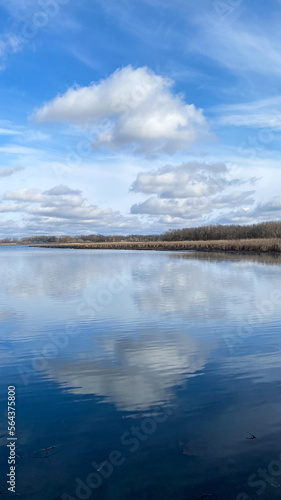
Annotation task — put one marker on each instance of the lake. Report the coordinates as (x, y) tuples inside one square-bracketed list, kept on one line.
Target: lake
[(141, 375)]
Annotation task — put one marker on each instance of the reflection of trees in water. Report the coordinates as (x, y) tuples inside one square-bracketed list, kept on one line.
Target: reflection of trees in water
[(229, 257)]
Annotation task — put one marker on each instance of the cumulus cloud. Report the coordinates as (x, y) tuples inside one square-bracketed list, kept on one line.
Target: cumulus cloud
[(190, 210), (27, 195), (190, 191), (190, 180), (273, 205), (62, 190), (62, 209), (266, 210), (6, 171), (132, 107)]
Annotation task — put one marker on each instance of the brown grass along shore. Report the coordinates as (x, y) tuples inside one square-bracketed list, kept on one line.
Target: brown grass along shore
[(272, 245)]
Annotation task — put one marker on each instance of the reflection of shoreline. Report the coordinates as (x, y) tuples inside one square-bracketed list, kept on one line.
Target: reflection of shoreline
[(196, 254), (215, 256)]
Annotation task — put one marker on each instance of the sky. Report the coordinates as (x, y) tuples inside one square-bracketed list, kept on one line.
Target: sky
[(138, 116)]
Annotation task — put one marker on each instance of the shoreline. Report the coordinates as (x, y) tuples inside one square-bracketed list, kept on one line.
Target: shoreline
[(257, 246)]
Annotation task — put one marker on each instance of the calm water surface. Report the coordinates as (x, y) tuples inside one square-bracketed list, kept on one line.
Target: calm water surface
[(145, 370)]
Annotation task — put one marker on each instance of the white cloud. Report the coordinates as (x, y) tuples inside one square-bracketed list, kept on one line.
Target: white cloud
[(263, 113), (15, 149), (28, 195), (7, 171), (272, 205), (63, 210), (62, 190), (190, 192), (266, 210), (243, 46), (132, 107), (10, 43), (24, 132), (7, 131), (192, 211), (190, 180)]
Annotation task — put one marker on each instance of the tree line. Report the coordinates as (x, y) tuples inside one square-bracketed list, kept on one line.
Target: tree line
[(225, 232), (201, 233)]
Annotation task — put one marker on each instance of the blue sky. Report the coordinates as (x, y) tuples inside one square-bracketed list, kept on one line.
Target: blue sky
[(138, 116)]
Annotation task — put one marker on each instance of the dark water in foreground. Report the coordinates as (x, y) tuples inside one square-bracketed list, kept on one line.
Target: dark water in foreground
[(145, 370)]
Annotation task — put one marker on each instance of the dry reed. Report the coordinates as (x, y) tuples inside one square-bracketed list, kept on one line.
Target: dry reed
[(271, 245)]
